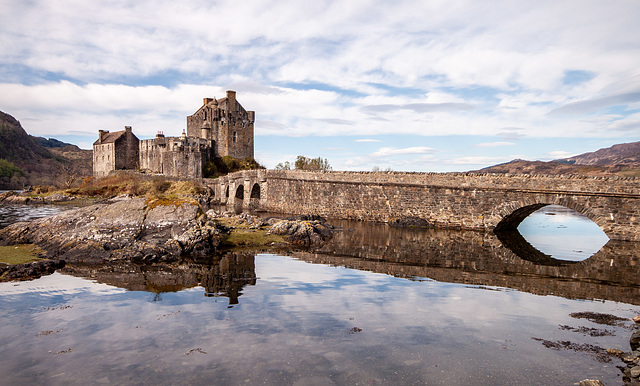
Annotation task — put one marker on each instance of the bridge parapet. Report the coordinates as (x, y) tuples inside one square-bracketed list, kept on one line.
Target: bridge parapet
[(448, 200)]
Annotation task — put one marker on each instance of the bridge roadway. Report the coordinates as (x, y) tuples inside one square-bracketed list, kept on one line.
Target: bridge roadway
[(447, 200)]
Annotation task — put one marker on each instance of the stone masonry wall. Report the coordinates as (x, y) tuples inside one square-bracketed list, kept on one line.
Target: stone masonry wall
[(448, 200)]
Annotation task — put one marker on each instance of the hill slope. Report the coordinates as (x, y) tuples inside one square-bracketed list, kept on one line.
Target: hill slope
[(38, 165), (617, 160)]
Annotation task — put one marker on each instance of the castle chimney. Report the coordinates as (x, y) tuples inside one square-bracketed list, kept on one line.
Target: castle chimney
[(101, 134), (206, 100), (127, 129), (231, 100)]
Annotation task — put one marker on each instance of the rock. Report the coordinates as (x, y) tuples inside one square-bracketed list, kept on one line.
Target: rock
[(308, 217), (124, 230), (591, 382), (629, 358), (635, 372), (304, 233), (615, 352), (636, 319), (28, 271), (58, 198), (634, 342), (410, 222)]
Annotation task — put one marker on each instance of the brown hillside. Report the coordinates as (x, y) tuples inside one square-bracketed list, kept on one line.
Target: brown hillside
[(38, 165), (618, 160)]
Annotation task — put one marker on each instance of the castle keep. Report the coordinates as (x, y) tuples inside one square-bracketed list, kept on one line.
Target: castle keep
[(219, 128)]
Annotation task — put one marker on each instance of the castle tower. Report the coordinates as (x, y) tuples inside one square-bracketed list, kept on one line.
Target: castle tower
[(226, 123)]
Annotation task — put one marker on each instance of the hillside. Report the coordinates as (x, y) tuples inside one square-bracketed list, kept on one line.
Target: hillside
[(622, 154), (25, 161), (617, 160)]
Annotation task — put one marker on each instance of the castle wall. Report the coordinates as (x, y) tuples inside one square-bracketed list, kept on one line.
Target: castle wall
[(104, 159), (127, 151), (175, 156)]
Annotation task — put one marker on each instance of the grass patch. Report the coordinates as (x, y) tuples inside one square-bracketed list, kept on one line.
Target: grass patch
[(242, 237), (19, 254), (125, 183), (153, 202)]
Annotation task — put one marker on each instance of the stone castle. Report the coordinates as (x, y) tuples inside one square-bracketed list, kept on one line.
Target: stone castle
[(218, 128)]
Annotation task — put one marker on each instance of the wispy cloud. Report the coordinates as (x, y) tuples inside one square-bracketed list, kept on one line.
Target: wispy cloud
[(495, 144), (367, 140), (512, 71), (391, 151)]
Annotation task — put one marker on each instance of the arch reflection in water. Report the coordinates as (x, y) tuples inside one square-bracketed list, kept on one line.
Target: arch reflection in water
[(562, 233)]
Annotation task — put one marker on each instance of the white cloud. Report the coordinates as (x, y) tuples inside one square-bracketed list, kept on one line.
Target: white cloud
[(557, 154), (367, 140), (495, 144), (359, 68), (388, 151)]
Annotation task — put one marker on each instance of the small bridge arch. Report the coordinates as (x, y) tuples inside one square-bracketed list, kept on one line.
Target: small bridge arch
[(511, 219), (240, 192), (255, 191)]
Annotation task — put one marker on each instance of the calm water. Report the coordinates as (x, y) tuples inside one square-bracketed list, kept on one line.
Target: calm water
[(563, 233), (375, 305)]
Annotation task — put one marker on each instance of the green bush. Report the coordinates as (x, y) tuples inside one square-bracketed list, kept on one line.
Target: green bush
[(8, 169)]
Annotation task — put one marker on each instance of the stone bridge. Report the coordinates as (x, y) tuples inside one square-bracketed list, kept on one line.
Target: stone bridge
[(447, 200)]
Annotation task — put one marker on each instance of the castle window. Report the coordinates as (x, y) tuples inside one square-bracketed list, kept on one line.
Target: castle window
[(235, 136)]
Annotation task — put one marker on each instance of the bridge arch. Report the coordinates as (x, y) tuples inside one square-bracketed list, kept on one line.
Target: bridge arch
[(255, 191), (240, 192), (511, 218)]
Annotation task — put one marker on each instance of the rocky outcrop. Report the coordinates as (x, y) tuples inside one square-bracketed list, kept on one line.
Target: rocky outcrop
[(29, 270), (128, 229), (303, 233)]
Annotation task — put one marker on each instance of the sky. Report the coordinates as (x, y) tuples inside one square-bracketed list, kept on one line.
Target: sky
[(408, 85)]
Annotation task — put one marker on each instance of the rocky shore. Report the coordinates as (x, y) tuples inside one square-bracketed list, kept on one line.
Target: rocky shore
[(148, 230)]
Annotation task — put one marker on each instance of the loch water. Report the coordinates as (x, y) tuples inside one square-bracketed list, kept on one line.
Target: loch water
[(374, 305)]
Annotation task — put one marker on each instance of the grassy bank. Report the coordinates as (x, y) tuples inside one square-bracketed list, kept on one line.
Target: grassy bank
[(243, 236), (19, 254), (124, 184)]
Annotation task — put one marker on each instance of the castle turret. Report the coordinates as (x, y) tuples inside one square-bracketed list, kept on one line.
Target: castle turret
[(205, 131)]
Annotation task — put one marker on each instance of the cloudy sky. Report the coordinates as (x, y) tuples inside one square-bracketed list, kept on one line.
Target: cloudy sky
[(409, 85)]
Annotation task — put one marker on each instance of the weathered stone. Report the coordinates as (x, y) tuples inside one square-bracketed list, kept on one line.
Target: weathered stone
[(636, 319), (591, 382), (615, 352), (629, 357), (635, 372), (302, 232), (634, 342)]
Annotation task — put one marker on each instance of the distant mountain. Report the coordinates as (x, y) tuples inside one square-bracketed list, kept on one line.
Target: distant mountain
[(25, 161), (617, 160), (622, 154)]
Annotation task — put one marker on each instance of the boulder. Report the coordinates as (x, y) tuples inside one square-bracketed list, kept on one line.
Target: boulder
[(634, 342), (304, 233)]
